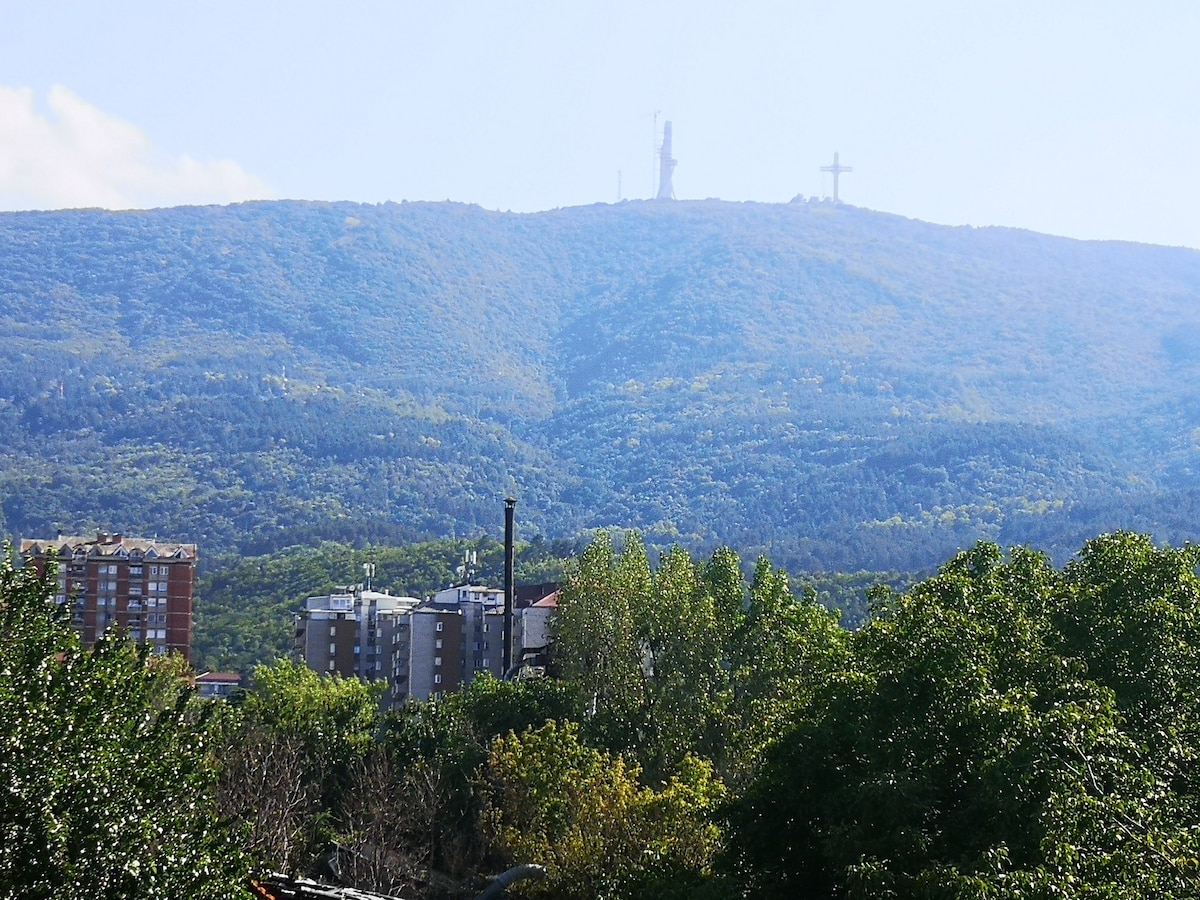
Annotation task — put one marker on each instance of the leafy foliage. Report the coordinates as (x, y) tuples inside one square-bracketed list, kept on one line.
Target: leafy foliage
[(993, 734), (687, 658), (580, 812), (106, 765)]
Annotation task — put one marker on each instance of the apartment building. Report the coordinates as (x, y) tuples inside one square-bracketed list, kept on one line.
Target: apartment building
[(482, 645), (358, 633), (435, 664), (143, 587), (420, 648)]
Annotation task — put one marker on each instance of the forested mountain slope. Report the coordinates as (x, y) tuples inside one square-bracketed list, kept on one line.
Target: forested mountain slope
[(843, 388)]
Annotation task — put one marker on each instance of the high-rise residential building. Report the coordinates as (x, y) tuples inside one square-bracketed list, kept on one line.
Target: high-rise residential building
[(420, 648), (435, 662), (358, 634), (143, 587), (482, 644)]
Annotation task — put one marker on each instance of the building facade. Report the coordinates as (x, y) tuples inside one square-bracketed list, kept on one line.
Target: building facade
[(420, 648), (481, 648), (435, 663), (358, 634), (217, 685), (142, 587)]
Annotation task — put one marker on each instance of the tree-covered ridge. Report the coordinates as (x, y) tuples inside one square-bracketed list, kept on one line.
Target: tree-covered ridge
[(842, 388)]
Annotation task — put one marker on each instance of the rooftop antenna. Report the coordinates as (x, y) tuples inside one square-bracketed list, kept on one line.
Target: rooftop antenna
[(666, 165), (837, 169), (466, 571), (368, 573)]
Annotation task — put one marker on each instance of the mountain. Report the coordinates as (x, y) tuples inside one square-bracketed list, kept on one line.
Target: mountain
[(839, 387)]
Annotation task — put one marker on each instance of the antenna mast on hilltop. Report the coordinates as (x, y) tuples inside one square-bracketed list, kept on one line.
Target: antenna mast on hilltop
[(653, 154), (837, 170), (666, 165)]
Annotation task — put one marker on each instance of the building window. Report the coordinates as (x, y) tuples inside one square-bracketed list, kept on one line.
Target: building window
[(437, 645), (437, 661), (437, 679), (440, 625), (332, 630), (332, 649)]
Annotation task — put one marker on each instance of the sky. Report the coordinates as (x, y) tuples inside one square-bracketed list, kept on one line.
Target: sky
[(1070, 118)]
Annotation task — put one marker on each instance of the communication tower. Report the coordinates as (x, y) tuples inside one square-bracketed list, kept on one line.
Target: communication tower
[(666, 165)]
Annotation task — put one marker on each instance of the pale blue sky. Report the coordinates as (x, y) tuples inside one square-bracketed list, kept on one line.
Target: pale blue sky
[(1080, 119)]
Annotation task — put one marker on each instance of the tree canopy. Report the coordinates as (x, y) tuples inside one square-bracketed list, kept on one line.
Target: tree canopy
[(106, 767), (1005, 728), (1002, 729)]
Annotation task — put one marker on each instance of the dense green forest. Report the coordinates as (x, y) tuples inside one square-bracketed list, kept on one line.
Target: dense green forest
[(1004, 729), (839, 388)]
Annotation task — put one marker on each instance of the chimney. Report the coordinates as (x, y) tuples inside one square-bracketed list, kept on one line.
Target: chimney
[(509, 513)]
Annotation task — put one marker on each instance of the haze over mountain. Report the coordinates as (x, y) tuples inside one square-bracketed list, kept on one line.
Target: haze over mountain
[(838, 387)]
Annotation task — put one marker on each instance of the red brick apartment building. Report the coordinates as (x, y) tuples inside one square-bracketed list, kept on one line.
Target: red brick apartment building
[(112, 581)]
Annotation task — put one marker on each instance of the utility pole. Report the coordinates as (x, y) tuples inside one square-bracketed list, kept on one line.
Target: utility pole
[(837, 169)]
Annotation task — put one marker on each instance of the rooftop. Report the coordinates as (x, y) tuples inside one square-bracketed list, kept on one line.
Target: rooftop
[(105, 544)]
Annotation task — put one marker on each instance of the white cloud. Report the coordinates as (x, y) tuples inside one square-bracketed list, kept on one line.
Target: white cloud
[(79, 156)]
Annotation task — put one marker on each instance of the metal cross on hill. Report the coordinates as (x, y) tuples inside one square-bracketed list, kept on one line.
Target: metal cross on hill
[(837, 170)]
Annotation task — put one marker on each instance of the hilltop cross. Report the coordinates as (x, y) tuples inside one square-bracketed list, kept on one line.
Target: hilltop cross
[(837, 170)]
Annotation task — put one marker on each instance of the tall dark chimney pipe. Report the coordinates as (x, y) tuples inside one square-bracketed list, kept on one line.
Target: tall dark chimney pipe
[(510, 506)]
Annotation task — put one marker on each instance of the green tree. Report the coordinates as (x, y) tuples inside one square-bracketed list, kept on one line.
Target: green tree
[(105, 765), (650, 650), (783, 651), (965, 750), (292, 757), (436, 749), (686, 658), (580, 812), (597, 641)]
